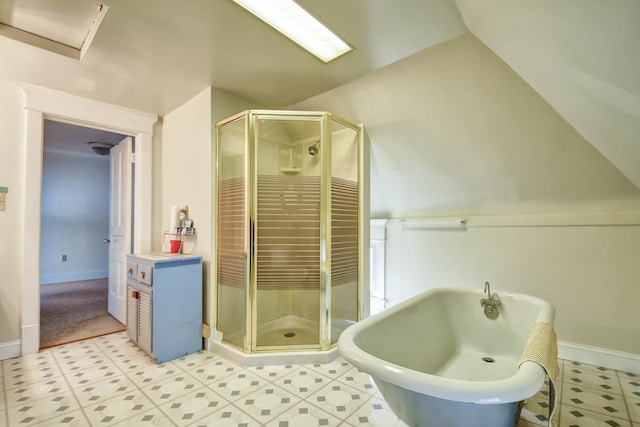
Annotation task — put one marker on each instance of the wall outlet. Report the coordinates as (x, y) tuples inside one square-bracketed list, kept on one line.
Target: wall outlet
[(64, 258)]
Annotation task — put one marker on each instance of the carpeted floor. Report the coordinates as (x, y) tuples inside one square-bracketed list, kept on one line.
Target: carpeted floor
[(75, 311)]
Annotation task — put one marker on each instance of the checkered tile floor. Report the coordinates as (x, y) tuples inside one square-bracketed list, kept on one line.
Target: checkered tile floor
[(109, 381)]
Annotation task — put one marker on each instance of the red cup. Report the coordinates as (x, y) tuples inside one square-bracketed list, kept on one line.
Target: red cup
[(175, 246)]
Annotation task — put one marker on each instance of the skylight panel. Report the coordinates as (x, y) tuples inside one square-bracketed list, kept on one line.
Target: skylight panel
[(61, 26)]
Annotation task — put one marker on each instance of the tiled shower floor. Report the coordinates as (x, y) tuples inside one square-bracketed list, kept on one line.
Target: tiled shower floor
[(108, 381)]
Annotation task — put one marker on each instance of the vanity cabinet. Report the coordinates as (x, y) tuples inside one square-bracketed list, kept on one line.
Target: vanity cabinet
[(164, 304)]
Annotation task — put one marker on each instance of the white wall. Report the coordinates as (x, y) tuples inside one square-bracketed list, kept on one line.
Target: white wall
[(455, 132), (11, 176), (75, 217)]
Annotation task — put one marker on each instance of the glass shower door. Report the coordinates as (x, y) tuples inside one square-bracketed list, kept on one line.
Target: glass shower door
[(287, 233), (344, 228), (232, 246)]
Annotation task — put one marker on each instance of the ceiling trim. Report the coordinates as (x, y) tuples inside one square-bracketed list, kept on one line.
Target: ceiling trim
[(87, 111)]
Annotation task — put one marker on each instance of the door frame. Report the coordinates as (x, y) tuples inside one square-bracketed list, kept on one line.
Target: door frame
[(40, 104)]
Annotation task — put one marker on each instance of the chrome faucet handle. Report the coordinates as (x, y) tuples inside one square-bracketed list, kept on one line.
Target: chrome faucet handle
[(487, 289), (490, 301)]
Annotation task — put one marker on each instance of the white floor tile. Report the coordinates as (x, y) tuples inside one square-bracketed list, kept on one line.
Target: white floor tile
[(303, 382), (634, 409), (70, 419), (273, 372), (28, 362), (152, 374), (229, 416), (237, 385), (267, 402), (579, 417), (151, 418), (105, 389), (84, 377), (338, 399), (28, 394), (119, 408), (75, 350), (79, 363), (172, 388), (594, 400), (357, 379), (375, 412), (193, 406), (44, 409), (110, 381), (304, 414), (196, 360), (214, 371), (24, 377), (332, 369)]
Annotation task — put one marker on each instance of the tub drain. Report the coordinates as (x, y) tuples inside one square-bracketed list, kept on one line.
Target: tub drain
[(290, 334), (488, 359)]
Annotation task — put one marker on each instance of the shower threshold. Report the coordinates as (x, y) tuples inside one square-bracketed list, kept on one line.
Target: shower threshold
[(293, 331)]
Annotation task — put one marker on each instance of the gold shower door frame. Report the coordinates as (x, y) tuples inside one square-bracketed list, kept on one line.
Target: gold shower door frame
[(251, 224)]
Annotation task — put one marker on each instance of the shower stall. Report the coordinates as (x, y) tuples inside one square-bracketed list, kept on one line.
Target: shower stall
[(290, 211)]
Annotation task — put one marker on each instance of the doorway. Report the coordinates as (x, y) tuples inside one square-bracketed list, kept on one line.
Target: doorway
[(40, 104), (74, 253)]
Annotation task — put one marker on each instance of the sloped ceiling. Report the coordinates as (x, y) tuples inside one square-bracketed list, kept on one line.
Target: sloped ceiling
[(582, 56), (155, 55)]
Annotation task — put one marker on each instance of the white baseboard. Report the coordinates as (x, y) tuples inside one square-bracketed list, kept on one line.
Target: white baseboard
[(73, 276), (612, 359), (9, 349)]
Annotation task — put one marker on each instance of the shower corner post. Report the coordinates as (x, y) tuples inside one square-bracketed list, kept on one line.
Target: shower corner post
[(251, 284), (364, 204), (214, 236), (325, 232)]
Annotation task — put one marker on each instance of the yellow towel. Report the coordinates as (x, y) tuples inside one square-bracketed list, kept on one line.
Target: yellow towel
[(542, 348)]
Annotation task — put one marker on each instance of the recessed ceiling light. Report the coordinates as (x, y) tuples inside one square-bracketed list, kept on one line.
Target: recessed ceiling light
[(296, 23), (101, 148)]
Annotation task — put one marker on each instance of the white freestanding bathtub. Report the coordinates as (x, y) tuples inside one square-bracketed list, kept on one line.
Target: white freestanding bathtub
[(440, 362)]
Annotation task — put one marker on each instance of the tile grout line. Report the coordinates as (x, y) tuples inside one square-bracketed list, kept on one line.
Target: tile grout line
[(4, 393), (64, 375), (560, 392), (335, 379), (153, 402), (624, 398), (343, 420), (591, 387)]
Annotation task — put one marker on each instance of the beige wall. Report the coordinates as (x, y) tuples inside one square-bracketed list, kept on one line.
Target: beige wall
[(589, 273), (11, 176), (186, 170), (455, 132)]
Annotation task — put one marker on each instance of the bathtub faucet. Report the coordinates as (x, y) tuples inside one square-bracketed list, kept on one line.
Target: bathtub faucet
[(490, 305)]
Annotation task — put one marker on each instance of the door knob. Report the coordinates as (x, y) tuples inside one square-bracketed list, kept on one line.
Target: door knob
[(107, 241)]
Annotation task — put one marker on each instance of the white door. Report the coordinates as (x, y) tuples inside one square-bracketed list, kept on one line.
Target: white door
[(119, 228)]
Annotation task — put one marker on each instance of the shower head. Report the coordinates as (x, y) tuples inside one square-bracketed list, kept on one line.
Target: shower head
[(313, 150)]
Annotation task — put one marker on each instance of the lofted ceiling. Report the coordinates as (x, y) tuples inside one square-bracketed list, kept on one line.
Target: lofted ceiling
[(154, 56), (579, 55)]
